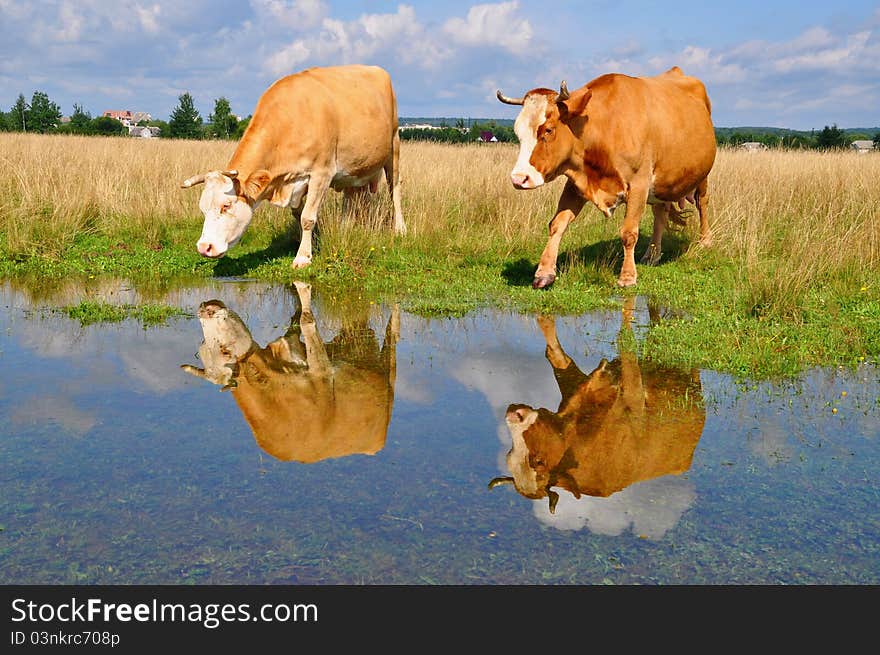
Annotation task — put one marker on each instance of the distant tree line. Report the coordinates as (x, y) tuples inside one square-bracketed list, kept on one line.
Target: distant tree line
[(829, 138), (459, 133), (42, 116)]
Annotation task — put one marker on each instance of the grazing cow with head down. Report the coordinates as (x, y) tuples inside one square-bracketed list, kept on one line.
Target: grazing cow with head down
[(623, 423), (305, 400), (322, 128), (618, 139)]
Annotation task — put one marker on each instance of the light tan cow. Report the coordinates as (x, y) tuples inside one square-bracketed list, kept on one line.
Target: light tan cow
[(322, 128), (303, 399), (618, 139), (623, 423)]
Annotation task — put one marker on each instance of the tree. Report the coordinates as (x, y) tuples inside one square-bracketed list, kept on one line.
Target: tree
[(18, 114), (877, 140), (185, 122), (831, 137), (106, 126), (162, 125), (223, 122), (44, 115), (241, 127), (80, 121)]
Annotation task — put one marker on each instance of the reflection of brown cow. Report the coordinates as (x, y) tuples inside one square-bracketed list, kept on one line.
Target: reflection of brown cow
[(304, 400), (623, 423)]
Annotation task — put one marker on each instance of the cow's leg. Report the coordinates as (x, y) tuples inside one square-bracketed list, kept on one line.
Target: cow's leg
[(661, 216), (392, 177), (570, 204), (318, 186), (636, 200), (702, 202), (632, 390), (316, 354), (297, 222), (389, 345), (554, 352)]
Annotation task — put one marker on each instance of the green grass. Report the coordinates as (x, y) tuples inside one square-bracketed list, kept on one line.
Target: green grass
[(712, 321), (89, 312)]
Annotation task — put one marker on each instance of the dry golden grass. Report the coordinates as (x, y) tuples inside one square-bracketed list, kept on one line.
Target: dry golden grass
[(787, 218), (53, 188)]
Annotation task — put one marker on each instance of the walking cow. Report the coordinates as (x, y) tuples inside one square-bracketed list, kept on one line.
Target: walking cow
[(618, 139)]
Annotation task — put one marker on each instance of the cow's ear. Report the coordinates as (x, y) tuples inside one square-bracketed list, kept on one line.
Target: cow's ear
[(256, 183), (575, 104)]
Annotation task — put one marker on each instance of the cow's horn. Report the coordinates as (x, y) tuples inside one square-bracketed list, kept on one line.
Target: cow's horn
[(563, 92), (231, 173), (499, 481), (192, 181), (509, 101), (553, 498), (189, 368)]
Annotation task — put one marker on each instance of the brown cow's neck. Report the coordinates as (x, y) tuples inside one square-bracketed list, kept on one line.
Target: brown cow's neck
[(590, 169)]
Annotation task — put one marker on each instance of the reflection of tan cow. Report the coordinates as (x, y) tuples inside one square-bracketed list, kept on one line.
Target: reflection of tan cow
[(623, 423), (303, 399)]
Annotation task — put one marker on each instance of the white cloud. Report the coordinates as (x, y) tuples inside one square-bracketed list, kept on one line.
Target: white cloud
[(149, 18), (288, 59), (295, 14), (851, 53), (491, 25), (362, 39)]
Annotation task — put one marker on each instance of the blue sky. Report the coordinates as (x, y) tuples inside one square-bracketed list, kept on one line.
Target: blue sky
[(783, 63)]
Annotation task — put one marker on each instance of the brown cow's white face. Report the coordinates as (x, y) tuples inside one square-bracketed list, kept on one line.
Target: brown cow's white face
[(533, 115), (520, 418), (227, 216)]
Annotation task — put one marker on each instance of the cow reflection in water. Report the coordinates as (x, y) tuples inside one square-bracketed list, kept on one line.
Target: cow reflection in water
[(305, 400), (625, 422)]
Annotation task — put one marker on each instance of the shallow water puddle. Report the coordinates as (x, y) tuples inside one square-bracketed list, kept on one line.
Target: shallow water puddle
[(278, 435)]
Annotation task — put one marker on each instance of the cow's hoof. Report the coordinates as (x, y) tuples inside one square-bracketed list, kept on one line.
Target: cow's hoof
[(543, 281), (301, 262), (626, 281), (652, 256)]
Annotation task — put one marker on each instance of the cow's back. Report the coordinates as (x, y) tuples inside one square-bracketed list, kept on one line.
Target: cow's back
[(637, 439), (298, 416), (663, 122), (343, 112)]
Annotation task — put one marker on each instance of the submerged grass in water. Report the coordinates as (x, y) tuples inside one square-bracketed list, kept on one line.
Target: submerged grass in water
[(89, 312)]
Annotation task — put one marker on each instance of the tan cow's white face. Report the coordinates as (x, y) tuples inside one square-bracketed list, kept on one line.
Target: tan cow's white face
[(227, 216), (226, 341)]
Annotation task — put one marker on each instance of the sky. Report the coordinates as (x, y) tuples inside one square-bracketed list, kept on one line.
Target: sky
[(786, 63)]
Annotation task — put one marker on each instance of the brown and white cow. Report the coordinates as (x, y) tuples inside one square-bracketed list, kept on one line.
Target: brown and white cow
[(322, 128), (304, 400), (618, 139), (625, 422)]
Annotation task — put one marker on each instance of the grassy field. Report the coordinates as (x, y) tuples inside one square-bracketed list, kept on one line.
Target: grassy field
[(791, 281)]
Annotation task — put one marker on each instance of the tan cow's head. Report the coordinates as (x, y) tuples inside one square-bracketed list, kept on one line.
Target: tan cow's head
[(545, 138), (226, 341), (227, 206)]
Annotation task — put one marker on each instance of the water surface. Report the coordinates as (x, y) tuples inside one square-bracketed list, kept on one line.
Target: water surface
[(258, 441)]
